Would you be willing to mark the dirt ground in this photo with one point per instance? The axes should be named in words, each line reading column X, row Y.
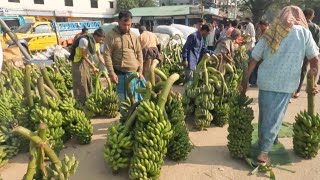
column 209, row 159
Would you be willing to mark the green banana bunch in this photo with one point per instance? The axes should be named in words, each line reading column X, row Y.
column 306, row 138
column 221, row 115
column 94, row 104
column 3, row 156
column 68, row 104
column 118, row 148
column 111, row 104
column 49, row 116
column 67, row 169
column 152, row 135
column 240, row 128
column 6, row 116
column 54, row 103
column 80, row 126
column 180, row 144
column 59, row 83
column 11, row 151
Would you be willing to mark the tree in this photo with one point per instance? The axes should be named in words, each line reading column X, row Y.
column 257, row 7
column 125, row 5
column 129, row 4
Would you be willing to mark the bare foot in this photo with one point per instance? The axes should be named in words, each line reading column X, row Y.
column 296, row 95
column 263, row 159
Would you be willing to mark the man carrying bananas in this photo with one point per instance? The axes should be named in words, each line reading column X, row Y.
column 123, row 56
column 282, row 48
column 193, row 50
column 81, row 55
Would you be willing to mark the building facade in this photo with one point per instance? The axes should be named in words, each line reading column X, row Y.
column 62, row 10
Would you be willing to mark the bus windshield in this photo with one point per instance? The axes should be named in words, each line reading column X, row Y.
column 24, row 28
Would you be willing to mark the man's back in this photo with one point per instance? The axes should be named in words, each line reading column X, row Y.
column 280, row 71
column 148, row 40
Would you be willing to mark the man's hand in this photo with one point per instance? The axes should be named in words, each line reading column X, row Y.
column 114, row 78
column 140, row 76
column 184, row 63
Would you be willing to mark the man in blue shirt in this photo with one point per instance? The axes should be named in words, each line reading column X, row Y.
column 192, row 51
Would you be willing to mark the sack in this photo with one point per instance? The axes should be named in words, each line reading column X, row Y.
column 108, row 27
column 171, row 31
column 185, row 30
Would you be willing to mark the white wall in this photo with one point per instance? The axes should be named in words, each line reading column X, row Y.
column 81, row 8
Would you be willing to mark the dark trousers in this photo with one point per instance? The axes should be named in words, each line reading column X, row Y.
column 303, row 73
column 254, row 75
column 211, row 48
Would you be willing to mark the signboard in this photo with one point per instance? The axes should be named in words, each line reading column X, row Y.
column 61, row 13
column 3, row 11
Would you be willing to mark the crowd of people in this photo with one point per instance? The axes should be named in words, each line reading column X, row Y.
column 279, row 55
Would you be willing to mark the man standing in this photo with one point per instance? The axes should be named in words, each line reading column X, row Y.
column 226, row 45
column 233, row 25
column 192, row 51
column 123, row 56
column 150, row 50
column 84, row 48
column 315, row 31
column 213, row 36
column 282, row 48
column 250, row 31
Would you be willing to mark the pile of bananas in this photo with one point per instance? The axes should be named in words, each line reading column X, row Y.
column 171, row 60
column 221, row 113
column 180, row 145
column 118, row 148
column 67, row 169
column 306, row 138
column 102, row 102
column 64, row 67
column 152, row 135
column 53, row 118
column 80, row 126
column 240, row 128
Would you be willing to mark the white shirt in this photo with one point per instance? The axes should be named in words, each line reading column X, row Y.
column 211, row 37
column 252, row 33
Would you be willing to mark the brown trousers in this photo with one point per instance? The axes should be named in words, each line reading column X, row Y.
column 146, row 69
column 82, row 83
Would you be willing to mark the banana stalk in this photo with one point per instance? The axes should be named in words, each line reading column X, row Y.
column 44, row 100
column 46, row 78
column 162, row 76
column 27, row 85
column 26, row 133
column 50, row 92
column 31, row 167
column 166, row 90
column 310, row 83
column 98, row 85
column 40, row 171
column 109, row 84
column 152, row 73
